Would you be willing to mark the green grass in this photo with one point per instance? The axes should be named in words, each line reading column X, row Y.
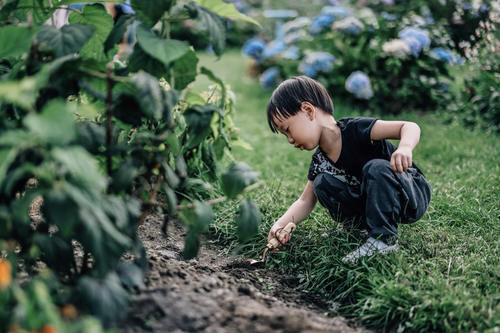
column 446, row 276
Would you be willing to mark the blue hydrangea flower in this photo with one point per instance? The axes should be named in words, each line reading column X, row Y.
column 254, row 48
column 483, row 9
column 291, row 53
column 350, row 25
column 414, row 45
column 420, row 35
column 295, row 36
column 335, row 11
column 446, row 55
column 321, row 23
column 359, row 84
column 269, row 78
column 300, row 23
column 315, row 63
column 389, row 17
column 273, row 48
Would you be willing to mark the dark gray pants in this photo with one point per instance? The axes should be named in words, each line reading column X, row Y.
column 383, row 200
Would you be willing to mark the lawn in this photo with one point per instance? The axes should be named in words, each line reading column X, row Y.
column 446, row 276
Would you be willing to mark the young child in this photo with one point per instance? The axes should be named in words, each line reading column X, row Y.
column 360, row 177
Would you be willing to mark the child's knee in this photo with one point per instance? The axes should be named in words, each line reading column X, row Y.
column 376, row 167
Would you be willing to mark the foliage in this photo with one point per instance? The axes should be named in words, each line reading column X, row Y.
column 405, row 52
column 103, row 140
column 478, row 101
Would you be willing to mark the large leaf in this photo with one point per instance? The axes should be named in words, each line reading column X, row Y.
column 149, row 95
column 164, row 50
column 81, row 167
column 7, row 156
column 150, row 11
column 119, row 29
column 96, row 17
column 225, row 9
column 69, row 39
column 213, row 25
column 248, row 219
column 22, row 93
column 139, row 59
column 104, row 298
column 15, row 41
column 238, row 176
column 185, row 70
column 54, row 125
column 198, row 119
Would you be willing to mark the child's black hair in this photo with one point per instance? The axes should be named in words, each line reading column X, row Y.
column 289, row 95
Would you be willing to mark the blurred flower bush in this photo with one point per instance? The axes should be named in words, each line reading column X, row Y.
column 386, row 55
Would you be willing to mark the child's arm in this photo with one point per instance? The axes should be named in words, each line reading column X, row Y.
column 297, row 212
column 407, row 132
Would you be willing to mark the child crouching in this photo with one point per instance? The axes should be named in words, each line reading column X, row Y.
column 359, row 176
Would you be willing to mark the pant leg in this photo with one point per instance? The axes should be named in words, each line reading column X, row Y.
column 343, row 202
column 392, row 198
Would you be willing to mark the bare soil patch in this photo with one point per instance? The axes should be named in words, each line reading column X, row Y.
column 219, row 293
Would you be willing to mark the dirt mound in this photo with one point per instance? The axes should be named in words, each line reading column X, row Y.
column 217, row 293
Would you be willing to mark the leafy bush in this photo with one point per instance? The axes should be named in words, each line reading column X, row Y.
column 402, row 49
column 478, row 102
column 103, row 141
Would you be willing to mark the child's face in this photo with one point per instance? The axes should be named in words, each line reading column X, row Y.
column 301, row 129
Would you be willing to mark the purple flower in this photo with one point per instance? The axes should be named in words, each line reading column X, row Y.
column 269, row 78
column 358, row 84
column 254, row 48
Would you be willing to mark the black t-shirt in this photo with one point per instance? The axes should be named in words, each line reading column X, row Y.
column 357, row 149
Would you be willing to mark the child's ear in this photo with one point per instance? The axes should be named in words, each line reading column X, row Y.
column 309, row 109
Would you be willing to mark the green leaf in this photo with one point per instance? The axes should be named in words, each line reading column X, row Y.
column 59, row 210
column 248, row 219
column 198, row 220
column 139, row 59
column 164, row 50
column 171, row 200
column 185, row 70
column 81, row 167
column 7, row 156
column 198, row 119
column 191, row 246
column 150, row 11
column 214, row 26
column 54, row 125
column 15, row 41
column 172, row 179
column 22, row 93
column 149, row 95
column 104, row 298
column 238, row 176
column 124, row 176
column 225, row 9
column 96, row 17
column 130, row 274
column 60, row 42
column 91, row 136
column 119, row 29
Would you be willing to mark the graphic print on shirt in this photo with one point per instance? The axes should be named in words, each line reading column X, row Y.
column 321, row 163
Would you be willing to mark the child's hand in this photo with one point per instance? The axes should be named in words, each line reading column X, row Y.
column 401, row 159
column 283, row 237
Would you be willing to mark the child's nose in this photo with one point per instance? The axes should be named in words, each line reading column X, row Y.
column 290, row 140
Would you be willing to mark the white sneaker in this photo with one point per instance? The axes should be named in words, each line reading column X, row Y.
column 369, row 248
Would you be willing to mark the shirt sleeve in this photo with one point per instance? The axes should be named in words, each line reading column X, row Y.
column 363, row 127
